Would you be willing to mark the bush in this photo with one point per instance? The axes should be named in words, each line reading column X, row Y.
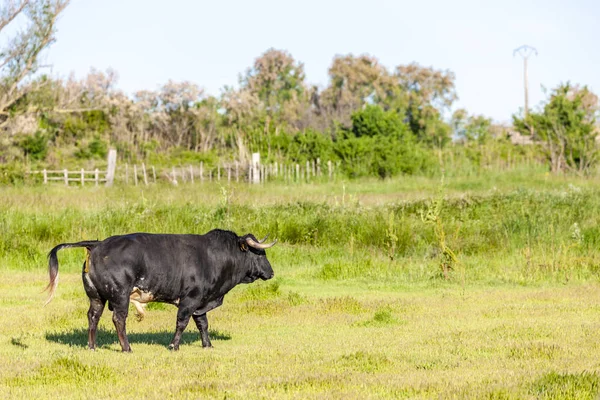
column 379, row 144
column 97, row 148
column 310, row 145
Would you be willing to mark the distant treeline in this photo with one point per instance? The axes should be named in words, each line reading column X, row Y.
column 373, row 121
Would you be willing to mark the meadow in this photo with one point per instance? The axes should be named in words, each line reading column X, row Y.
column 479, row 286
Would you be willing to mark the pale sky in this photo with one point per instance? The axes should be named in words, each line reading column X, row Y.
column 210, row 43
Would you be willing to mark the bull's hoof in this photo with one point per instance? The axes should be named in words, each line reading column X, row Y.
column 126, row 350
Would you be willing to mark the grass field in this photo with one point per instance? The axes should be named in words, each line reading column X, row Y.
column 360, row 307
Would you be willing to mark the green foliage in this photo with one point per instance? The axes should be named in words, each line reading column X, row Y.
column 34, row 146
column 12, row 173
column 567, row 129
column 379, row 144
column 96, row 148
column 433, row 215
column 86, row 123
column 470, row 128
column 181, row 156
column 310, row 145
column 374, row 121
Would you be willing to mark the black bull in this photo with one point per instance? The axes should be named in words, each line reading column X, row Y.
column 193, row 272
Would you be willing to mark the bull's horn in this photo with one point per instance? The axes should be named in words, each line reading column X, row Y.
column 263, row 239
column 259, row 246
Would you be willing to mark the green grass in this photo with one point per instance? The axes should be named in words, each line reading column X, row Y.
column 359, row 307
column 447, row 342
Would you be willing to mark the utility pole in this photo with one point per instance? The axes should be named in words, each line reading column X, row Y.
column 525, row 52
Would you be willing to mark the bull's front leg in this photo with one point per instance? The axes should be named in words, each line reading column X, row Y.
column 202, row 324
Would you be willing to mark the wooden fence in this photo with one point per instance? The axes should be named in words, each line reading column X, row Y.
column 231, row 172
column 79, row 176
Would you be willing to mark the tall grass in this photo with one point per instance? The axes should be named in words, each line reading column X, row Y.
column 520, row 235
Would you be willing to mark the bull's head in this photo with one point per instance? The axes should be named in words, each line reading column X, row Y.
column 256, row 258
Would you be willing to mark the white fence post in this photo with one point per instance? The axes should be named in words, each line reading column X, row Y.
column 145, row 176
column 112, row 166
column 255, row 168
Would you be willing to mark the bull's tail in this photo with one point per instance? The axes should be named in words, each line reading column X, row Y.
column 53, row 264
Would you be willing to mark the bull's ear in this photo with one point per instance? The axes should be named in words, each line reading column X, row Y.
column 243, row 245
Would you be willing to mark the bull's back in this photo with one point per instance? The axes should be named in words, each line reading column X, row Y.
column 154, row 262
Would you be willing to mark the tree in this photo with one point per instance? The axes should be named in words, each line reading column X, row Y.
column 471, row 128
column 566, row 128
column 354, row 81
column 277, row 81
column 378, row 143
column 170, row 114
column 19, row 57
column 429, row 92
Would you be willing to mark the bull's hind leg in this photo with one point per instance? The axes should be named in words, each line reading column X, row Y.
column 202, row 324
column 120, row 312
column 183, row 318
column 94, row 314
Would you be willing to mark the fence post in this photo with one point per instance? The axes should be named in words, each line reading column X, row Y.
column 174, row 175
column 237, row 172
column 82, row 177
column 145, row 176
column 135, row 174
column 255, row 167
column 45, row 177
column 96, row 176
column 228, row 173
column 307, row 170
column 112, row 166
column 201, row 171
column 66, row 174
column 219, row 172
column 297, row 172
column 154, row 174
column 192, row 174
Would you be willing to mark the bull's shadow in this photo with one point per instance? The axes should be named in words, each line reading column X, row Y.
column 79, row 337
